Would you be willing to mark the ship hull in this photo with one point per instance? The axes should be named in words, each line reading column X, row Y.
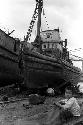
column 41, row 71
column 9, row 70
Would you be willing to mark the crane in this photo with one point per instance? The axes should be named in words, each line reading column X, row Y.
column 37, row 13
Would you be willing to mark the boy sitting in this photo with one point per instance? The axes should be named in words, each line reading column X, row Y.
column 70, row 107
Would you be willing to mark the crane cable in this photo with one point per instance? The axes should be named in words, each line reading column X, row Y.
column 76, row 56
column 79, row 49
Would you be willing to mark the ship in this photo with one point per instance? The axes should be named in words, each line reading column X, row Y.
column 9, row 59
column 46, row 61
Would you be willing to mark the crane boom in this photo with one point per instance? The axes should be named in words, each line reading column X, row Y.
column 32, row 23
column 38, row 4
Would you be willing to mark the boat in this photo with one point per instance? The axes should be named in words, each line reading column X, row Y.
column 46, row 61
column 9, row 54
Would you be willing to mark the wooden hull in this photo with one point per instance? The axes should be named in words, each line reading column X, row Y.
column 9, row 70
column 41, row 70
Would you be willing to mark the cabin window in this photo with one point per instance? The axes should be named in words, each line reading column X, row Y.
column 54, row 45
column 48, row 36
column 44, row 46
column 50, row 45
column 59, row 47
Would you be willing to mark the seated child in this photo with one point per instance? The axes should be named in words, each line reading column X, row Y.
column 70, row 107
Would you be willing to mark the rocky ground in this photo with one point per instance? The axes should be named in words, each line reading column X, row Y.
column 14, row 113
column 17, row 112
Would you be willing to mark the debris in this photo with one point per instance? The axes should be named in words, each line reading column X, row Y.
column 35, row 99
column 50, row 91
column 27, row 106
column 5, row 98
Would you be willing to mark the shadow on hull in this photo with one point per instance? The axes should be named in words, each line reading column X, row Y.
column 9, row 70
column 43, row 71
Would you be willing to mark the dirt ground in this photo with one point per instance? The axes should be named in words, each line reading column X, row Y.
column 14, row 113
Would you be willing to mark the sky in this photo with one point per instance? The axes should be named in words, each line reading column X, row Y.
column 65, row 14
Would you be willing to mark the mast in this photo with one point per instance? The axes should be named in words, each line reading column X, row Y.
column 40, row 5
column 39, row 16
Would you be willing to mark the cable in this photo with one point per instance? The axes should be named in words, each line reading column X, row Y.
column 76, row 56
column 79, row 49
column 75, row 51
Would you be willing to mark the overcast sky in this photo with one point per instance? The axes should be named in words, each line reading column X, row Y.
column 65, row 14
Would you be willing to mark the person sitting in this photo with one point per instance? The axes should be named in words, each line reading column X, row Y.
column 70, row 107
